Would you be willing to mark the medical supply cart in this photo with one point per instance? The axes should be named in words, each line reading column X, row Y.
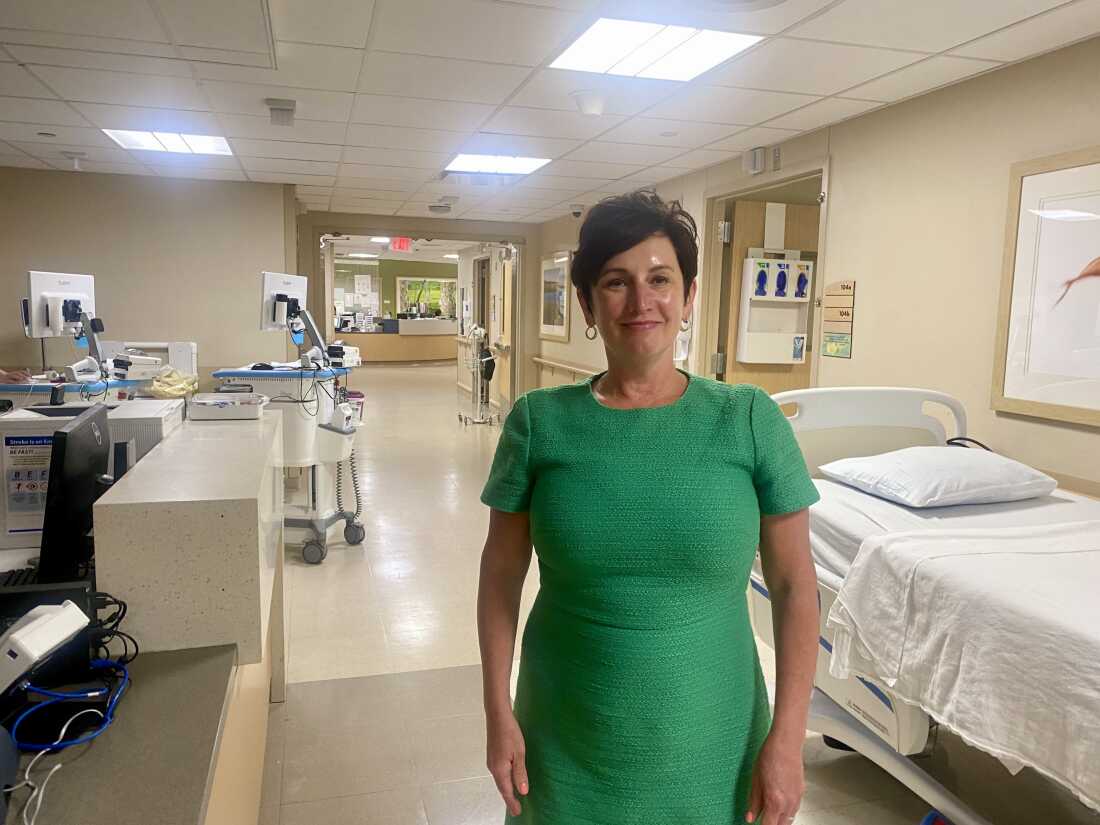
column 318, row 435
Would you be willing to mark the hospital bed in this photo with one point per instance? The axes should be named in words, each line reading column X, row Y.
column 833, row 423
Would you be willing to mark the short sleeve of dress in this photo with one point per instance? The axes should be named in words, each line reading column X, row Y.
column 783, row 483
column 509, row 484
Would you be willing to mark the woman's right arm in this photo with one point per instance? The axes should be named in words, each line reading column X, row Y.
column 504, row 564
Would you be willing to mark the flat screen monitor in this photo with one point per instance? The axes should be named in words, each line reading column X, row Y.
column 78, row 461
column 275, row 284
column 55, row 302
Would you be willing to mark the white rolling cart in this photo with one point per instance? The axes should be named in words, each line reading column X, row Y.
column 319, row 424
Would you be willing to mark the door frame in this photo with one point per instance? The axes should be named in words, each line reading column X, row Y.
column 714, row 257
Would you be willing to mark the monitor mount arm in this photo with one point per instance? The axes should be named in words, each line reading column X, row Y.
column 298, row 319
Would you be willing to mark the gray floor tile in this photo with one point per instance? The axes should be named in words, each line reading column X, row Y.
column 402, row 806
column 433, row 694
column 467, row 802
column 342, row 704
column 449, row 749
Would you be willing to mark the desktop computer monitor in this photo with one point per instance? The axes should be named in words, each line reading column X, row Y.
column 78, row 464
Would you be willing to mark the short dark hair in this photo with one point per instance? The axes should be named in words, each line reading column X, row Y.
column 619, row 223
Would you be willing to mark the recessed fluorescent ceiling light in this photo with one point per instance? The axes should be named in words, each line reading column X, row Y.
column 452, row 256
column 170, row 142
column 496, row 164
column 634, row 49
column 1065, row 214
column 379, row 239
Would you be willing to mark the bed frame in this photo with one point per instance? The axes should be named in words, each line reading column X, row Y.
column 843, row 422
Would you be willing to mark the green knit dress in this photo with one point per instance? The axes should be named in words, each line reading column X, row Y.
column 640, row 695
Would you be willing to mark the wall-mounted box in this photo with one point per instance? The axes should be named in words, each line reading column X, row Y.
column 775, row 308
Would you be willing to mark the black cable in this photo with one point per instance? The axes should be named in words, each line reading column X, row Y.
column 963, row 441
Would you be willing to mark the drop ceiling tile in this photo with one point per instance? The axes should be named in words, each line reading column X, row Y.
column 928, row 26
column 397, row 157
column 103, row 167
column 751, row 138
column 418, row 210
column 392, row 191
column 808, row 67
column 63, row 135
column 97, row 86
column 182, row 161
column 722, row 104
column 325, row 22
column 301, row 65
column 291, row 177
column 117, row 45
column 586, row 169
column 350, row 183
column 23, row 162
column 199, row 56
column 399, row 137
column 239, row 25
column 52, row 151
column 764, row 21
column 246, row 99
column 303, row 131
column 699, row 159
column 109, row 116
column 134, row 64
column 631, row 184
column 653, row 131
column 199, row 174
column 104, row 18
column 438, row 78
column 923, row 77
column 301, row 167
column 373, row 207
column 313, row 191
column 16, row 81
column 568, row 186
column 550, row 123
column 288, row 149
column 490, row 143
column 370, row 170
column 365, row 211
column 555, row 88
column 496, row 32
column 30, row 110
column 607, row 152
column 1052, row 30
column 823, row 112
column 418, row 113
column 463, row 186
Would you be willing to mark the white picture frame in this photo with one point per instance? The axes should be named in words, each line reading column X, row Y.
column 1047, row 361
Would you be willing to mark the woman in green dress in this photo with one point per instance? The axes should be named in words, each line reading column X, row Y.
column 645, row 493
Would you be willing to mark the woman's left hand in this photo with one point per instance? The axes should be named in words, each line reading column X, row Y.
column 777, row 783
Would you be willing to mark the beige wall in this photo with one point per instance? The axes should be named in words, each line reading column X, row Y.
column 560, row 236
column 916, row 214
column 175, row 260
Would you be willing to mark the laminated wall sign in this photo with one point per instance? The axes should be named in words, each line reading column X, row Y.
column 839, row 309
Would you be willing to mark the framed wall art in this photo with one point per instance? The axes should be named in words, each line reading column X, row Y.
column 554, row 308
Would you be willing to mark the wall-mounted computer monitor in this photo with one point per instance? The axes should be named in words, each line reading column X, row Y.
column 273, row 310
column 55, row 302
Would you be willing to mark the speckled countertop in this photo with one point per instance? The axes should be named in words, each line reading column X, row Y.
column 154, row 765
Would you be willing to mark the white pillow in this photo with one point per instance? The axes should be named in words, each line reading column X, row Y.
column 941, row 476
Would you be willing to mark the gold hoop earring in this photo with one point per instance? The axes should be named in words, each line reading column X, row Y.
column 592, row 337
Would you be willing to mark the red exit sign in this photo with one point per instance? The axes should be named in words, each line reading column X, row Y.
column 401, row 244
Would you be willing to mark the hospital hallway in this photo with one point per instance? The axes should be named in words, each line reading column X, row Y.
column 383, row 722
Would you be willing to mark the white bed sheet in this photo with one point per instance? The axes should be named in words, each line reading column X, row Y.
column 845, row 517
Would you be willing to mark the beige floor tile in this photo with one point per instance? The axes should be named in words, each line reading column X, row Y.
column 468, row 802
column 436, row 694
column 401, row 806
column 340, row 654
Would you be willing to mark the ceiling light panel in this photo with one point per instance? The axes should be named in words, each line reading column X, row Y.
column 634, row 49
column 496, row 164
column 169, row 142
column 135, row 140
column 172, row 142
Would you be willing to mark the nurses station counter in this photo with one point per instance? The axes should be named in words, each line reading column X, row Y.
column 192, row 539
column 415, row 339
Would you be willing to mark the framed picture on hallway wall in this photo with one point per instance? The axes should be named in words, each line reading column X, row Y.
column 554, row 309
column 1047, row 362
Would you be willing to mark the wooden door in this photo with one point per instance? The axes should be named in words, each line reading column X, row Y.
column 801, row 227
column 502, row 378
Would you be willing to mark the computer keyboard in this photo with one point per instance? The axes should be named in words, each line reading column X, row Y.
column 18, row 578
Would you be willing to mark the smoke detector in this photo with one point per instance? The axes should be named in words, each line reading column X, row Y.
column 282, row 110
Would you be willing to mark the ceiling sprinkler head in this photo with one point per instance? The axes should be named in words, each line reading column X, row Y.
column 75, row 157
